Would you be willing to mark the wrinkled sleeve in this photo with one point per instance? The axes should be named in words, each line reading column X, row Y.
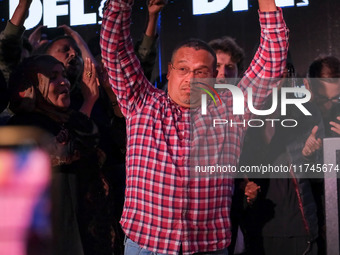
column 125, row 73
column 269, row 61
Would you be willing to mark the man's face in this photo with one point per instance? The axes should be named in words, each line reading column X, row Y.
column 69, row 54
column 326, row 95
column 226, row 68
column 187, row 63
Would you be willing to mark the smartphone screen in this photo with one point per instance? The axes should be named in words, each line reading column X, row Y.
column 25, row 173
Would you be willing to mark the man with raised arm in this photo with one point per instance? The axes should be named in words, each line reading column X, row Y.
column 11, row 39
column 167, row 211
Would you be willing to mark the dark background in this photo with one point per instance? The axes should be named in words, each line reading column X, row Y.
column 314, row 29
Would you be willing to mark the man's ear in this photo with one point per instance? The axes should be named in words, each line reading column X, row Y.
column 169, row 70
column 307, row 84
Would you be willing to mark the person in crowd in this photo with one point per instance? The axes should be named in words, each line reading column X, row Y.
column 237, row 245
column 165, row 210
column 324, row 83
column 40, row 97
column 67, row 50
column 283, row 218
column 230, row 57
column 71, row 49
column 115, row 132
column 146, row 47
column 12, row 49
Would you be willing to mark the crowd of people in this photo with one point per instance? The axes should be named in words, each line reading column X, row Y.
column 122, row 150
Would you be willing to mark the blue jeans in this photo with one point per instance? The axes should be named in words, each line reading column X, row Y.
column 131, row 248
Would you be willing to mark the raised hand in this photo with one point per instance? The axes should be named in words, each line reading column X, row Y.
column 21, row 12
column 335, row 126
column 267, row 5
column 155, row 6
column 69, row 31
column 89, row 87
column 35, row 38
column 312, row 143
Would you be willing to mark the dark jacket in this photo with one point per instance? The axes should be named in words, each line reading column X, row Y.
column 10, row 48
column 288, row 142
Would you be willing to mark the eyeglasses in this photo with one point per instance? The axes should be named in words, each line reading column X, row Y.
column 183, row 71
column 324, row 100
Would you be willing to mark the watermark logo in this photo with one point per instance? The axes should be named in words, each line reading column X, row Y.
column 239, row 100
column 204, row 96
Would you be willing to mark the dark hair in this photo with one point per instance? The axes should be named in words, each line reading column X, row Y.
column 325, row 67
column 228, row 45
column 46, row 47
column 196, row 44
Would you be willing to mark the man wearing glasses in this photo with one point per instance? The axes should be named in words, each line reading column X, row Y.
column 324, row 84
column 166, row 211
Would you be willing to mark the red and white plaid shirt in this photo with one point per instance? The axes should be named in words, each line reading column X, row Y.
column 164, row 207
